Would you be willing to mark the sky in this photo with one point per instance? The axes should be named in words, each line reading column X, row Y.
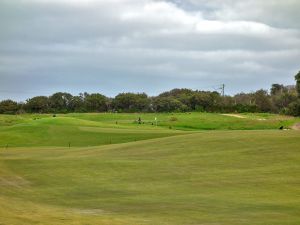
column 114, row 46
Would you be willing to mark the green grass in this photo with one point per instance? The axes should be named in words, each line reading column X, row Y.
column 106, row 128
column 61, row 131
column 196, row 121
column 219, row 177
column 193, row 168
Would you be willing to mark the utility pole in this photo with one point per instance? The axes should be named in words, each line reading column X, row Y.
column 223, row 90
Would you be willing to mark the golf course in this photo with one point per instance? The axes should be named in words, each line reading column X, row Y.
column 149, row 112
column 149, row 169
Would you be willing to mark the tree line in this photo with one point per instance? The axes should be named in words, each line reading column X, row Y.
column 280, row 99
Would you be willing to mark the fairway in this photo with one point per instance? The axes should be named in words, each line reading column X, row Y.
column 164, row 176
column 95, row 129
column 37, row 130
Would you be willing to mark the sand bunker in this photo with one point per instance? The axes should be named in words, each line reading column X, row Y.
column 235, row 115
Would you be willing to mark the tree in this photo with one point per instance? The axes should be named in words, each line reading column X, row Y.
column 183, row 95
column 226, row 104
column 39, row 104
column 244, row 102
column 95, row 103
column 60, row 102
column 130, row 102
column 294, row 108
column 168, row 104
column 77, row 104
column 297, row 78
column 205, row 101
column 276, row 88
column 282, row 99
column 8, row 107
column 177, row 92
column 282, row 96
column 262, row 101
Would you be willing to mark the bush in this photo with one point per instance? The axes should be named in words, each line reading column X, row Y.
column 8, row 107
column 294, row 108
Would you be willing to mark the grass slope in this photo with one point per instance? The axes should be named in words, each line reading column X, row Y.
column 219, row 177
column 61, row 131
column 196, row 121
column 106, row 128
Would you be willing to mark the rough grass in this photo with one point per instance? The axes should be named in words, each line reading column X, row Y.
column 212, row 177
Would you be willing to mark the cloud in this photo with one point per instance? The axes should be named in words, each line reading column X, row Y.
column 146, row 45
column 276, row 13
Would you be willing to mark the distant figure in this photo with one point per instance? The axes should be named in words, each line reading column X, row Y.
column 281, row 128
column 140, row 120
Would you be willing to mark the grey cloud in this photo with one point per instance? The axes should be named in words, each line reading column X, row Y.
column 277, row 13
column 144, row 45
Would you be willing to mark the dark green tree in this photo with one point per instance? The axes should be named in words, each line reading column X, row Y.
column 8, row 107
column 77, row 104
column 297, row 78
column 294, row 108
column 276, row 88
column 262, row 101
column 60, row 102
column 183, row 95
column 168, row 104
column 131, row 102
column 282, row 98
column 38, row 104
column 205, row 101
column 95, row 103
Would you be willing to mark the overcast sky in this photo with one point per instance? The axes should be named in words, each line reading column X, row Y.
column 113, row 46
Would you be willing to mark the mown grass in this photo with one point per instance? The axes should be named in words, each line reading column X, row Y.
column 62, row 131
column 110, row 128
column 192, row 168
column 197, row 121
column 217, row 177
